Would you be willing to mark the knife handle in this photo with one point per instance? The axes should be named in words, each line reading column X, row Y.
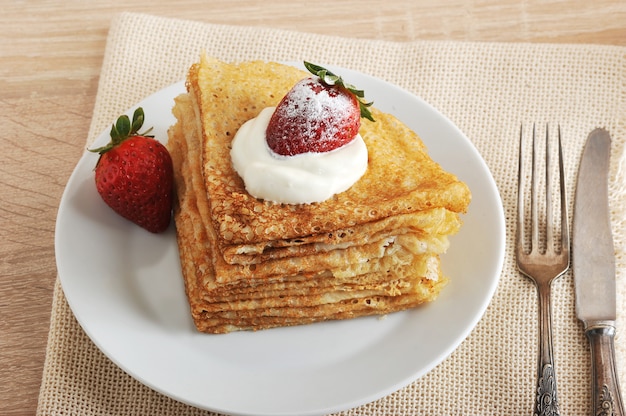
column 607, row 399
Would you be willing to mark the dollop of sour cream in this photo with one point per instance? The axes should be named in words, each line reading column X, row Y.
column 300, row 179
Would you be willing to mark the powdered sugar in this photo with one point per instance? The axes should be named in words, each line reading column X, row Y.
column 314, row 117
column 309, row 99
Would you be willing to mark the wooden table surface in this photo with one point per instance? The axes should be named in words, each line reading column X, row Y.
column 51, row 53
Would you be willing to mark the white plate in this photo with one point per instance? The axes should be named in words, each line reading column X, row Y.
column 124, row 286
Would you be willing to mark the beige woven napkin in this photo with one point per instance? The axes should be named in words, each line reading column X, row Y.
column 487, row 90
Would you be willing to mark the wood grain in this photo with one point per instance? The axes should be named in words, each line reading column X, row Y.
column 51, row 53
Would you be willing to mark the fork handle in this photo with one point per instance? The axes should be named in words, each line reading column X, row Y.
column 607, row 399
column 546, row 403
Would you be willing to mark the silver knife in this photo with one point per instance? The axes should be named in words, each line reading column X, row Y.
column 593, row 263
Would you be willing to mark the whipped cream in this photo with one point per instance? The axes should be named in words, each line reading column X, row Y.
column 300, row 179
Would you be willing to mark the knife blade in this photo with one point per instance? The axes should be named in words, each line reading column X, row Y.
column 593, row 262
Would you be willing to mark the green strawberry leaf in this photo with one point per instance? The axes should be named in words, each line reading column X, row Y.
column 138, row 119
column 329, row 78
column 122, row 129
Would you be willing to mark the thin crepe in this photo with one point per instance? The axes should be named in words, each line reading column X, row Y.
column 240, row 274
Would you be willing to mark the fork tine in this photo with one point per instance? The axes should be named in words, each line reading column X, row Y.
column 534, row 241
column 564, row 216
column 520, row 193
column 549, row 214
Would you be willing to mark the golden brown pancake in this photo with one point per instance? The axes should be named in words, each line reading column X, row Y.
column 252, row 264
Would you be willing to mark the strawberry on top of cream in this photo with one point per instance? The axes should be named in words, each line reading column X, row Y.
column 299, row 179
column 308, row 147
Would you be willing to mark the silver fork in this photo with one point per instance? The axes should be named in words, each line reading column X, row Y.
column 543, row 266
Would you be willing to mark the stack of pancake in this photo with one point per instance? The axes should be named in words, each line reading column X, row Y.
column 251, row 264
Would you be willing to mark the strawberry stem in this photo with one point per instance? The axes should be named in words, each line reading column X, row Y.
column 122, row 129
column 329, row 78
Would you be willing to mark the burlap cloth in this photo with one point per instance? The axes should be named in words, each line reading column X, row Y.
column 487, row 90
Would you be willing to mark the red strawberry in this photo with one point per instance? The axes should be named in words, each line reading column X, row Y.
column 318, row 114
column 134, row 175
